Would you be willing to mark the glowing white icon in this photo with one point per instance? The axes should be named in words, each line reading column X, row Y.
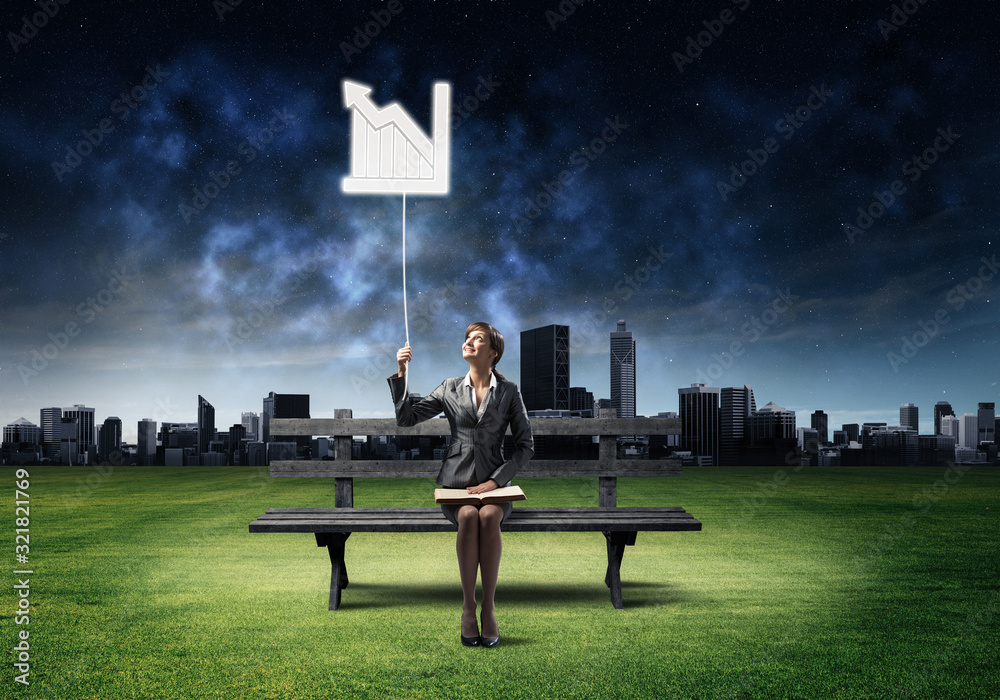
column 390, row 153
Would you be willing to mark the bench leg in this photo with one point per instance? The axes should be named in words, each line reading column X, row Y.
column 334, row 542
column 616, row 549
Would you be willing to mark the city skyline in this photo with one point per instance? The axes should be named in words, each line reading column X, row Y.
column 813, row 216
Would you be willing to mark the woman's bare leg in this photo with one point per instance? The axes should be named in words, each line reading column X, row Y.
column 467, row 548
column 490, row 549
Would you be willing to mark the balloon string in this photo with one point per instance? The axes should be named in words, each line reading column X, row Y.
column 406, row 319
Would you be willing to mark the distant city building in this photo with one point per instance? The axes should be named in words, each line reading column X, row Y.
column 894, row 446
column 623, row 372
column 909, row 415
column 23, row 431
column 840, row 437
column 808, row 440
column 941, row 408
column 109, row 442
column 986, row 420
column 736, row 404
column 51, row 425
column 69, row 442
column 86, row 436
column 237, row 439
column 819, row 422
column 580, row 399
column 698, row 406
column 251, row 424
column 284, row 406
column 545, row 368
column 852, row 431
column 949, row 425
column 206, row 424
column 770, row 422
column 146, row 443
column 968, row 431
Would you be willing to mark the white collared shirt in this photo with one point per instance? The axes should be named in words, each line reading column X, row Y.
column 472, row 391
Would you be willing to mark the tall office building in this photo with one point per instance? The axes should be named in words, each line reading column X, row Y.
column 820, row 423
column 909, row 415
column 22, row 430
column 852, row 431
column 950, row 425
column 206, row 424
column 735, row 406
column 580, row 399
column 986, row 418
column 251, row 424
column 623, row 373
column 51, row 423
column 545, row 368
column 86, row 427
column 698, row 406
column 109, row 439
column 968, row 431
column 145, row 455
column 941, row 408
column 285, row 406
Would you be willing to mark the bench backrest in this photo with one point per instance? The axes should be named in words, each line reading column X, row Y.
column 343, row 427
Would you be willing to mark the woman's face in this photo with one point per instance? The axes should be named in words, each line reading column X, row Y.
column 477, row 347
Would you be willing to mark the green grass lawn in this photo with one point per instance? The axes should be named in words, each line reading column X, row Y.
column 825, row 583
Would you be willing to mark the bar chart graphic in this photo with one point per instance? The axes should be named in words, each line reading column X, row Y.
column 390, row 153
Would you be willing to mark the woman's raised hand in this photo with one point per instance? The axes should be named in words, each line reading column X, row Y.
column 403, row 356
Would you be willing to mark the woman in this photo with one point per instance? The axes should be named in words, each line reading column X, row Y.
column 479, row 407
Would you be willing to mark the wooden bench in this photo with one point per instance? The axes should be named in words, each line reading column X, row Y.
column 332, row 526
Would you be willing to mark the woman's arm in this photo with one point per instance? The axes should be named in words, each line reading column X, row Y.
column 408, row 413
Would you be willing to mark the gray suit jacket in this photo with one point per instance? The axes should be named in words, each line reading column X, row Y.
column 475, row 454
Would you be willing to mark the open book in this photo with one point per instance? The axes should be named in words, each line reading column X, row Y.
column 462, row 497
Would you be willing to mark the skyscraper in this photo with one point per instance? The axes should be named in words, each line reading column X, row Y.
column 735, row 406
column 987, row 422
column 968, row 431
column 146, row 443
column 623, row 374
column 251, row 424
column 110, row 438
column 86, row 429
column 941, row 408
column 772, row 422
column 51, row 425
column 909, row 416
column 285, row 406
column 580, row 399
column 819, row 422
column 545, row 368
column 698, row 406
column 206, row 424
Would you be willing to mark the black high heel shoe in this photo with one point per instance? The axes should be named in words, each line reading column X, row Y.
column 470, row 641
column 487, row 642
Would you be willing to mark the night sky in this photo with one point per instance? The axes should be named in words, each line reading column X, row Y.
column 693, row 168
